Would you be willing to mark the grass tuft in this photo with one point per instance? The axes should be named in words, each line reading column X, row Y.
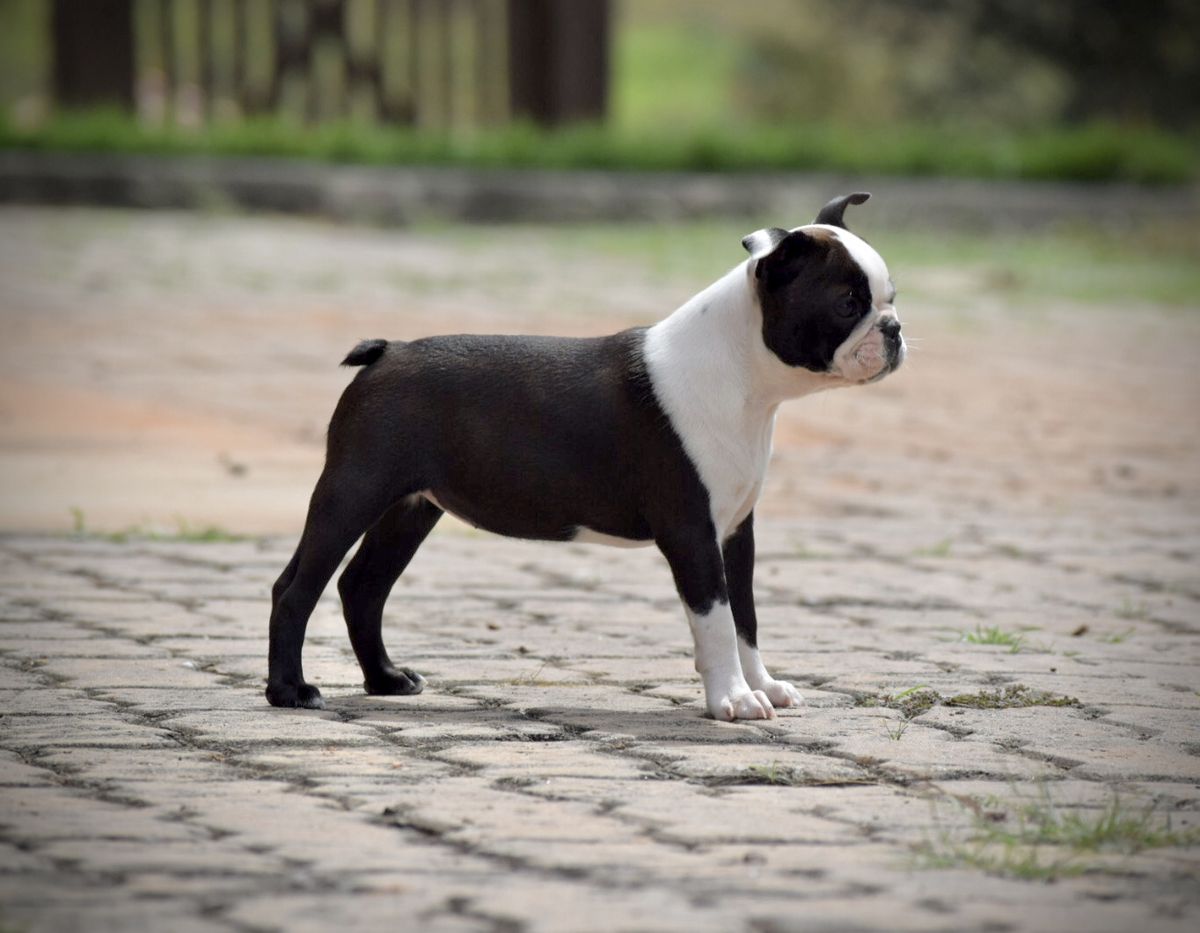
column 1042, row 841
column 994, row 635
column 1116, row 828
column 895, row 731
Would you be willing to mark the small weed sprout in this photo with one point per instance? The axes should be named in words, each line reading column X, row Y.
column 183, row 531
column 531, row 679
column 911, row 703
column 1132, row 611
column 896, row 730
column 941, row 549
column 994, row 635
column 774, row 773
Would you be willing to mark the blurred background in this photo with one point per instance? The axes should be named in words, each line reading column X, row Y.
column 205, row 203
column 1003, row 88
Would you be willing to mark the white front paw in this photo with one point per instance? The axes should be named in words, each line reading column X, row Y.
column 752, row 704
column 781, row 693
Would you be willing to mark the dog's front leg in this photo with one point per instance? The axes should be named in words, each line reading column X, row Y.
column 738, row 553
column 699, row 572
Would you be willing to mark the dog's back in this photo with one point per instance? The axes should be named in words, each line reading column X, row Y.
column 525, row 436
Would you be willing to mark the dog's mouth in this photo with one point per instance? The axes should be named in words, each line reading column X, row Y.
column 894, row 353
column 875, row 356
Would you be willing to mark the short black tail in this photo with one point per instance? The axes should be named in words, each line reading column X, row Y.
column 365, row 353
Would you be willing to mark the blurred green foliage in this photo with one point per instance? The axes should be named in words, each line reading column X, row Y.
column 860, row 86
column 1092, row 153
column 980, row 63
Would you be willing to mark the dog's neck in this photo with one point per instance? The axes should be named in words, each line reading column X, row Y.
column 713, row 343
column 720, row 387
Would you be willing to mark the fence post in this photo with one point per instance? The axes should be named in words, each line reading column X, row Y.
column 93, row 53
column 558, row 54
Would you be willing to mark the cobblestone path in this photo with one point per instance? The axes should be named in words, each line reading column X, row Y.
column 558, row 774
column 984, row 574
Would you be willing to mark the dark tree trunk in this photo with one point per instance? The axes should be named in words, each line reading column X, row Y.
column 558, row 60
column 93, row 53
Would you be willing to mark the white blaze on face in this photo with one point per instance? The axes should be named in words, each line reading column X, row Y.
column 863, row 355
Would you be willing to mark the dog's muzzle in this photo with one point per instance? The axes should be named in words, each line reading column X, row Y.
column 893, row 343
column 892, row 350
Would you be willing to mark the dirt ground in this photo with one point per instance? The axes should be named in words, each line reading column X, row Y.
column 174, row 370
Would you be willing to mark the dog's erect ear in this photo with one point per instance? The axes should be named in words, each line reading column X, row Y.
column 763, row 242
column 832, row 212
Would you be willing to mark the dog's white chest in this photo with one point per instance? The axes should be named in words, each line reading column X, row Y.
column 733, row 466
column 702, row 363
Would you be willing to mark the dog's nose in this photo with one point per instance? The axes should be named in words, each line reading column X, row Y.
column 890, row 327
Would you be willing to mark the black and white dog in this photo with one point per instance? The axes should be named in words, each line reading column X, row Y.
column 656, row 435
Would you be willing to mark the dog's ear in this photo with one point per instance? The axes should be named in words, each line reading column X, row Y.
column 832, row 213
column 776, row 250
column 762, row 242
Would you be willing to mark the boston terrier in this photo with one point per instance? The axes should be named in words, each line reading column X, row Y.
column 657, row 435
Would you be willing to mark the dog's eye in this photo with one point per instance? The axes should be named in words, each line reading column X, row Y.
column 848, row 306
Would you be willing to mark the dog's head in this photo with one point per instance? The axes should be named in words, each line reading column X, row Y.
column 828, row 302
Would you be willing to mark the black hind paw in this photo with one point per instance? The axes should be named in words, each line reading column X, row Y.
column 395, row 681
column 304, row 696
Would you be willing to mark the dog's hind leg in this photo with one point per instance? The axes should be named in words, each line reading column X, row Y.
column 365, row 584
column 337, row 515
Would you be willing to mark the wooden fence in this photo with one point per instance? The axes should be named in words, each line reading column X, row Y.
column 426, row 63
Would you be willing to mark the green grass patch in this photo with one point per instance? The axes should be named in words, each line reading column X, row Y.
column 1026, row 863
column 781, row 776
column 1043, row 841
column 915, row 701
column 1093, row 153
column 1014, row 696
column 1116, row 828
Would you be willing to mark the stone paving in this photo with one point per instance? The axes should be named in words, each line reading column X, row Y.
column 983, row 574
column 558, row 773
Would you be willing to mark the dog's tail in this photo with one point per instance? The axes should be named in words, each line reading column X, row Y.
column 366, row 353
